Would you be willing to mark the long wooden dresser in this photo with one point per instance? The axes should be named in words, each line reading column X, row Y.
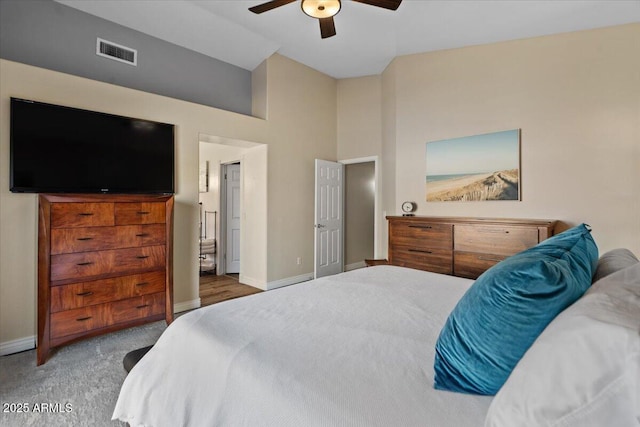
column 104, row 263
column 464, row 247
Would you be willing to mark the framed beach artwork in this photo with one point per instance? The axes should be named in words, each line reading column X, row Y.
column 474, row 168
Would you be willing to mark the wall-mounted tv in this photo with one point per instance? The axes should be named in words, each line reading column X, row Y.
column 57, row 149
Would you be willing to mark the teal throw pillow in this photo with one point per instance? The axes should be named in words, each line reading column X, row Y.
column 507, row 307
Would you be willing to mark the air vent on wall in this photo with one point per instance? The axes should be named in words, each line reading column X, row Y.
column 116, row 52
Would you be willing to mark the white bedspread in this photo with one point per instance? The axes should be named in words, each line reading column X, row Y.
column 354, row 349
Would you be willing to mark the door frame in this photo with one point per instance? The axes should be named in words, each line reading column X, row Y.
column 222, row 237
column 377, row 252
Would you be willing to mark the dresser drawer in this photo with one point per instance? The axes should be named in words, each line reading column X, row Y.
column 81, row 214
column 76, row 295
column 79, row 320
column 472, row 264
column 421, row 234
column 140, row 213
column 138, row 308
column 435, row 260
column 494, row 239
column 69, row 240
column 88, row 264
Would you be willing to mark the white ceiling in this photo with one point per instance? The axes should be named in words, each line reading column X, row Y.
column 368, row 37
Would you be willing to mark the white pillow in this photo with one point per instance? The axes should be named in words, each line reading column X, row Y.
column 612, row 261
column 584, row 369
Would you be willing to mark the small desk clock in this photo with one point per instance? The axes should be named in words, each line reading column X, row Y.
column 409, row 208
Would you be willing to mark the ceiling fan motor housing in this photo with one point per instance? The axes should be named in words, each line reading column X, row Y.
column 321, row 8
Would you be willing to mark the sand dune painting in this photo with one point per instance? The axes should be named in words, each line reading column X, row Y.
column 474, row 168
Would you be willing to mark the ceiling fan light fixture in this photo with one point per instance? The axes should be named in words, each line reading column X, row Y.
column 321, row 8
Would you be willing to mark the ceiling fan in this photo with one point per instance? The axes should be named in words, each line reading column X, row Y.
column 323, row 10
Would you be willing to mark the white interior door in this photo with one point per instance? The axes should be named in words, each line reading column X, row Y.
column 329, row 218
column 232, row 178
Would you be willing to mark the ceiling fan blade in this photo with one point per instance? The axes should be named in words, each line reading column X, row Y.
column 327, row 27
column 265, row 7
column 387, row 4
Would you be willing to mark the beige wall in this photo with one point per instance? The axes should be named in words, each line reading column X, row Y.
column 294, row 136
column 306, row 129
column 254, row 253
column 359, row 132
column 388, row 164
column 359, row 117
column 575, row 96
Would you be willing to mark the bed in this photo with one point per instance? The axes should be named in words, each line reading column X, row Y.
column 358, row 349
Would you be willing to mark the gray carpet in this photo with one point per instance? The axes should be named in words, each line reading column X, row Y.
column 83, row 379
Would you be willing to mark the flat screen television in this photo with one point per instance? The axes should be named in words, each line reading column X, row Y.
column 57, row 149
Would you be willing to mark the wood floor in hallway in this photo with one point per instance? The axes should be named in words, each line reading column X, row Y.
column 215, row 288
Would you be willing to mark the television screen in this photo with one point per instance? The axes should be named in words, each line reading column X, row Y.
column 56, row 149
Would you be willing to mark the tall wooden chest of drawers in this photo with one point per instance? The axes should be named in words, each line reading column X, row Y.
column 464, row 247
column 104, row 263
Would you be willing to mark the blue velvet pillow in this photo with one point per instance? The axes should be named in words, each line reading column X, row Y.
column 508, row 306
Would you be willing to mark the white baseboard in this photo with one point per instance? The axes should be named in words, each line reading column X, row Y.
column 355, row 266
column 260, row 284
column 16, row 346
column 276, row 283
column 186, row 305
column 289, row 281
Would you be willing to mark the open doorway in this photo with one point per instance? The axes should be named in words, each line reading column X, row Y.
column 232, row 214
column 360, row 211
column 212, row 199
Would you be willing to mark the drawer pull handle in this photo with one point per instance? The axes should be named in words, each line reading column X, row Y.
column 142, row 284
column 485, row 258
column 421, row 251
column 143, row 213
column 85, row 238
column 497, row 231
column 85, row 263
column 426, row 227
column 143, row 306
column 142, row 235
column 86, row 214
column 82, row 319
column 85, row 294
column 142, row 256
